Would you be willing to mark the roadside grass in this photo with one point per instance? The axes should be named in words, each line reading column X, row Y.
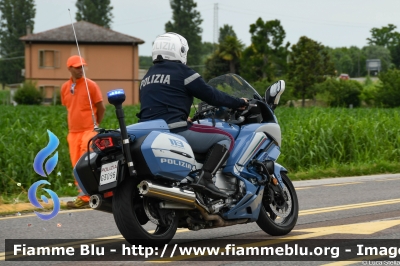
column 346, row 171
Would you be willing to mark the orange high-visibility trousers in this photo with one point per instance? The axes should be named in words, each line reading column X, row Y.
column 77, row 142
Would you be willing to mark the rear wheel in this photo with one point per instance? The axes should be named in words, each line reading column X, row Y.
column 279, row 213
column 139, row 219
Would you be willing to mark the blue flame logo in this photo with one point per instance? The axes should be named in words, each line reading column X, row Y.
column 32, row 198
column 44, row 153
column 49, row 166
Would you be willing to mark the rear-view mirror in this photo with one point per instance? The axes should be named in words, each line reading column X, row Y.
column 274, row 92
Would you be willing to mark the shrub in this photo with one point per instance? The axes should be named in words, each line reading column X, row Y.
column 341, row 93
column 388, row 94
column 4, row 97
column 369, row 93
column 58, row 97
column 28, row 94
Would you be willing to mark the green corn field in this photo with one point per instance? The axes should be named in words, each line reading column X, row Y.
column 339, row 141
column 316, row 143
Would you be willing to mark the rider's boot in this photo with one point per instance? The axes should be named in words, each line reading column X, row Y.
column 216, row 157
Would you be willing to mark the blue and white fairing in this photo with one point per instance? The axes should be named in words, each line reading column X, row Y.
column 252, row 141
column 168, row 155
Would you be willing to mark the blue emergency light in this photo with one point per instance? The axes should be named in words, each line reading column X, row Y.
column 116, row 97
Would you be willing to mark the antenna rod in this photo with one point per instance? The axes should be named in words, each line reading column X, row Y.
column 84, row 74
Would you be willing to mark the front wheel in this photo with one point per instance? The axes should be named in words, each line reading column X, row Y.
column 279, row 213
column 139, row 219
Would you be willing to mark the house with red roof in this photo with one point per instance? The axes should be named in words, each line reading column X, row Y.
column 112, row 58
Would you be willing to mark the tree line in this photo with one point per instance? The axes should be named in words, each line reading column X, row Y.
column 305, row 65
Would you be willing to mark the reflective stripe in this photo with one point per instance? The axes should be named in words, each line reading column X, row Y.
column 177, row 124
column 191, row 78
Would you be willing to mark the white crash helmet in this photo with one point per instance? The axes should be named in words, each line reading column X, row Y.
column 171, row 46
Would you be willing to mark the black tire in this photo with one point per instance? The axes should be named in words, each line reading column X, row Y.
column 269, row 221
column 129, row 215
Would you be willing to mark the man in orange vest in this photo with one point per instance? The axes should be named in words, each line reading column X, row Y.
column 75, row 97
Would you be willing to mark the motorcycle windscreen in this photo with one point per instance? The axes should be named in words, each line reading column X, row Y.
column 168, row 155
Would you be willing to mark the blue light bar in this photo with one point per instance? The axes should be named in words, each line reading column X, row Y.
column 115, row 92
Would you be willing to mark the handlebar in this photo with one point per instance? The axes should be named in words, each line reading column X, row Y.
column 239, row 119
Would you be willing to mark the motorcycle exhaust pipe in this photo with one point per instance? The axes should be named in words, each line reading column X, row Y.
column 188, row 198
column 149, row 189
column 218, row 220
column 98, row 203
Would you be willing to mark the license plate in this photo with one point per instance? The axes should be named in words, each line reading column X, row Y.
column 109, row 173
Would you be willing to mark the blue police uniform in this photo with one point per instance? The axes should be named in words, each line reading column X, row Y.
column 168, row 88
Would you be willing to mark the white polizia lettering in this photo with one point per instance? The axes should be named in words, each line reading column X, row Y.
column 157, row 78
column 164, row 46
column 176, row 162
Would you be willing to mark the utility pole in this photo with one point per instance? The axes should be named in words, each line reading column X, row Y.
column 216, row 30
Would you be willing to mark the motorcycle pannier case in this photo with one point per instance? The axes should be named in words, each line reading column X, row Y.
column 164, row 155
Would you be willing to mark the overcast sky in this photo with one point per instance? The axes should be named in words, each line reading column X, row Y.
column 338, row 23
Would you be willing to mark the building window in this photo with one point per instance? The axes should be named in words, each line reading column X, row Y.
column 51, row 94
column 49, row 59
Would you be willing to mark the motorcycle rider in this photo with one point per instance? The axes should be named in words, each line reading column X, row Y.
column 167, row 91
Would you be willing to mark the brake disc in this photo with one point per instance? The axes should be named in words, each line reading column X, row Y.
column 148, row 211
column 282, row 212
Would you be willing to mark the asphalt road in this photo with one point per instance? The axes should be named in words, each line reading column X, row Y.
column 340, row 208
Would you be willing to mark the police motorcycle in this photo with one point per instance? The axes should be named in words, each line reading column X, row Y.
column 141, row 172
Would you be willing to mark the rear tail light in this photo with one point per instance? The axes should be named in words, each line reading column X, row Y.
column 104, row 142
